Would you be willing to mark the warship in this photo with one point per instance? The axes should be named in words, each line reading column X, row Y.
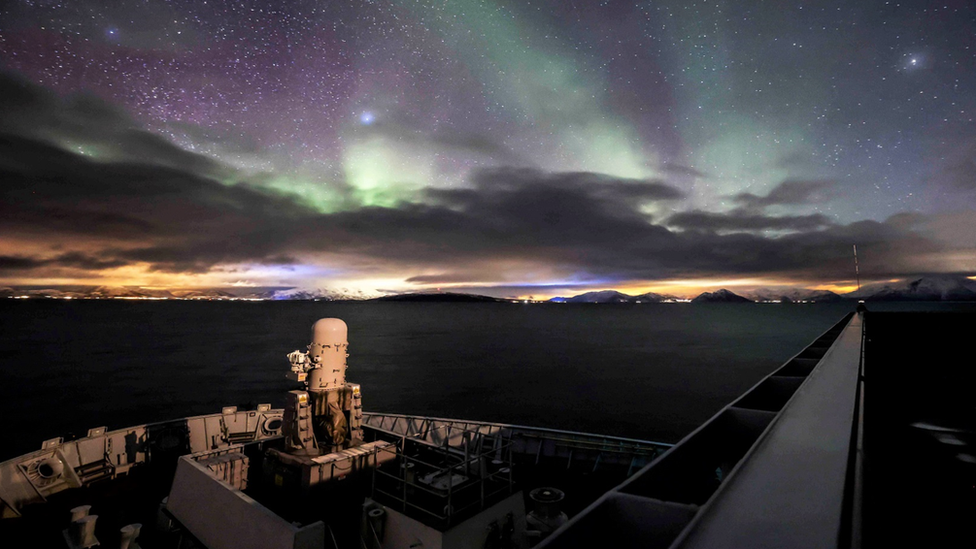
column 805, row 458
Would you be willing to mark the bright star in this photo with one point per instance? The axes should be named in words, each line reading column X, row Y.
column 913, row 61
column 367, row 118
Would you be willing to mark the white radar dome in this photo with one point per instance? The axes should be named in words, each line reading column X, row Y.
column 328, row 353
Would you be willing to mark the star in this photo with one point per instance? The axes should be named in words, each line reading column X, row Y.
column 913, row 61
column 598, row 101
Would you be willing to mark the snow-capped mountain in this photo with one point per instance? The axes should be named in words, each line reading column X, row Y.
column 321, row 294
column 792, row 295
column 612, row 296
column 926, row 288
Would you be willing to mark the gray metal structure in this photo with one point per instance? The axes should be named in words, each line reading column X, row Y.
column 106, row 455
column 799, row 460
column 769, row 470
column 569, row 449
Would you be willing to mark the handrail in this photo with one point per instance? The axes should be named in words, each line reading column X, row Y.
column 510, row 427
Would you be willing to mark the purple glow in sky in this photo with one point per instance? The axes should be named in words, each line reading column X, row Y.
column 485, row 143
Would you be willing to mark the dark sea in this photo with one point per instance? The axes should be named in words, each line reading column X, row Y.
column 648, row 371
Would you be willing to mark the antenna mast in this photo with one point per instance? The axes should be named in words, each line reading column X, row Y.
column 857, row 273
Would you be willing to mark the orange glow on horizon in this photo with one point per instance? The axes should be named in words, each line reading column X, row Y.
column 128, row 276
column 689, row 288
column 836, row 288
column 242, row 276
column 692, row 287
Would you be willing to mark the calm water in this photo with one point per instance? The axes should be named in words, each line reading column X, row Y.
column 643, row 371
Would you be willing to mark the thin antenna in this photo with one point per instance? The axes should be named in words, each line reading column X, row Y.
column 857, row 272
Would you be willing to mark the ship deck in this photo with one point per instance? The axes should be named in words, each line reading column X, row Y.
column 125, row 483
column 867, row 438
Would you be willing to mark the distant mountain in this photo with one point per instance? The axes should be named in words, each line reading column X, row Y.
column 651, row 297
column 720, row 296
column 603, row 296
column 926, row 288
column 923, row 288
column 116, row 292
column 207, row 293
column 793, row 295
column 125, row 291
column 135, row 292
column 319, row 294
column 613, row 296
column 46, row 292
column 441, row 297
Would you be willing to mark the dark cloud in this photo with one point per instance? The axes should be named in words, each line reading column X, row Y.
column 71, row 259
column 78, row 213
column 575, row 229
column 959, row 166
column 443, row 278
column 681, row 170
column 739, row 220
column 789, row 193
column 85, row 122
column 907, row 220
column 84, row 261
column 595, row 184
column 175, row 219
column 18, row 263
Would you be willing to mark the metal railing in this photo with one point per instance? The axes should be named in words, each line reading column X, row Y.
column 489, row 455
column 527, row 443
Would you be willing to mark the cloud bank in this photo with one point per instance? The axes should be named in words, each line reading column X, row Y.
column 140, row 202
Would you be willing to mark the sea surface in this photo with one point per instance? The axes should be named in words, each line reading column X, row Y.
column 648, row 371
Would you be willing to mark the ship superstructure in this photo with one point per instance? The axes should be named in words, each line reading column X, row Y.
column 318, row 473
column 798, row 460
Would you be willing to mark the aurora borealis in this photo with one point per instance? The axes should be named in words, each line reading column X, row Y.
column 507, row 148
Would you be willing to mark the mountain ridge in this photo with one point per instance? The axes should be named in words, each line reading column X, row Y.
column 918, row 288
column 720, row 296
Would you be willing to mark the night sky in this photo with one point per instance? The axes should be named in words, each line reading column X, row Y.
column 502, row 147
